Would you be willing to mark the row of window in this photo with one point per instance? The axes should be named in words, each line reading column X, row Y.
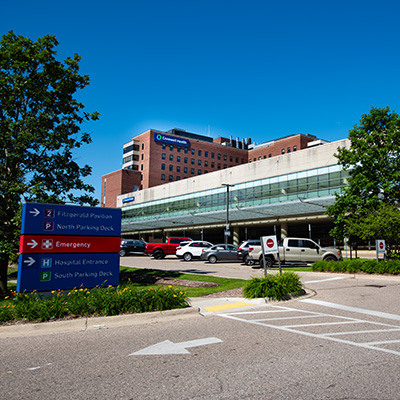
column 288, row 150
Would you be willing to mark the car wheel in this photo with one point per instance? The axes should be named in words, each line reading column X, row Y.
column 158, row 254
column 212, row 259
column 187, row 256
column 330, row 258
column 122, row 253
column 249, row 261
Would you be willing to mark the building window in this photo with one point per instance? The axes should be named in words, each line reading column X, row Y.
column 199, row 162
column 185, row 170
column 225, row 157
column 178, row 168
column 230, row 158
column 141, row 167
column 269, row 155
column 171, row 147
column 163, row 156
column 186, row 150
column 192, row 171
column 163, row 167
column 164, row 146
column 163, row 177
column 219, row 166
column 219, row 156
column 206, row 154
column 283, row 151
column 178, row 178
column 199, row 172
column 192, row 161
column 199, row 153
column 178, row 149
column 142, row 146
column 206, row 163
column 170, row 178
column 259, row 157
column 294, row 148
column 249, row 160
column 193, row 152
column 225, row 166
column 185, row 160
column 178, row 158
column 212, row 165
column 212, row 155
column 288, row 149
column 171, row 157
column 142, row 156
column 171, row 168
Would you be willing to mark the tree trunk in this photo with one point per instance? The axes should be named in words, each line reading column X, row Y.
column 3, row 273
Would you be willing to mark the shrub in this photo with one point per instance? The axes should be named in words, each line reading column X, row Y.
column 85, row 302
column 274, row 287
column 359, row 265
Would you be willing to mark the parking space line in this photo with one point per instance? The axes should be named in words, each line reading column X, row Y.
column 331, row 336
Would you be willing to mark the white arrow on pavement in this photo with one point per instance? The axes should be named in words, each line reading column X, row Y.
column 35, row 212
column 30, row 261
column 33, row 244
column 168, row 347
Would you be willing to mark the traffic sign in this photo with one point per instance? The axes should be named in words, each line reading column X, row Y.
column 270, row 244
column 44, row 272
column 69, row 244
column 58, row 219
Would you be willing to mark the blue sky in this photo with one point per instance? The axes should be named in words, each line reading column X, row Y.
column 257, row 68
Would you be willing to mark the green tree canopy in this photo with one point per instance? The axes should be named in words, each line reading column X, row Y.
column 374, row 166
column 39, row 128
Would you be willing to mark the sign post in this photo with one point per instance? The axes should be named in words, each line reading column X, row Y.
column 65, row 247
column 380, row 248
column 269, row 245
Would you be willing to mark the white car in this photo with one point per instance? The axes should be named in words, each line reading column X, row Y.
column 193, row 249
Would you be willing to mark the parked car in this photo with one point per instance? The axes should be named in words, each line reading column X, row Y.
column 160, row 250
column 129, row 246
column 243, row 250
column 220, row 252
column 189, row 250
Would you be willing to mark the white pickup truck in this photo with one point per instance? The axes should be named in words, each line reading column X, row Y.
column 294, row 250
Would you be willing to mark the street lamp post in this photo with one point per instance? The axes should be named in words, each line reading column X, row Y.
column 227, row 232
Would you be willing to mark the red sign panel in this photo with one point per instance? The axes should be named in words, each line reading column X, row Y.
column 69, row 244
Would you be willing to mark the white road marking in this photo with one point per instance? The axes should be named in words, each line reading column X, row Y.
column 352, row 309
column 168, row 347
column 332, row 336
column 325, row 280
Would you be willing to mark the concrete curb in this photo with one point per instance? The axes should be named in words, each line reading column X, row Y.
column 87, row 324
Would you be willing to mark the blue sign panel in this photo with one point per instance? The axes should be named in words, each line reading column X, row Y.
column 162, row 138
column 57, row 219
column 46, row 272
column 128, row 199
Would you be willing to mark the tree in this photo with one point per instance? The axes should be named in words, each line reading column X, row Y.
column 39, row 129
column 373, row 164
column 382, row 223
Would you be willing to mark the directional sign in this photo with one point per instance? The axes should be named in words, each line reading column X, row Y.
column 65, row 246
column 44, row 272
column 69, row 244
column 168, row 347
column 57, row 219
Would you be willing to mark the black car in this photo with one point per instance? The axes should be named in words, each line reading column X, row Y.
column 243, row 250
column 129, row 246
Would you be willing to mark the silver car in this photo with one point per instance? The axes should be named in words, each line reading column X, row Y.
column 220, row 252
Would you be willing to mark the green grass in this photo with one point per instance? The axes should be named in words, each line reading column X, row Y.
column 135, row 275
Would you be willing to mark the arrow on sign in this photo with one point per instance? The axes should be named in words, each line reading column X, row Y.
column 33, row 244
column 168, row 347
column 30, row 261
column 35, row 212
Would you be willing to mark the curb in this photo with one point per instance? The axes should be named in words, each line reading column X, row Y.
column 87, row 324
